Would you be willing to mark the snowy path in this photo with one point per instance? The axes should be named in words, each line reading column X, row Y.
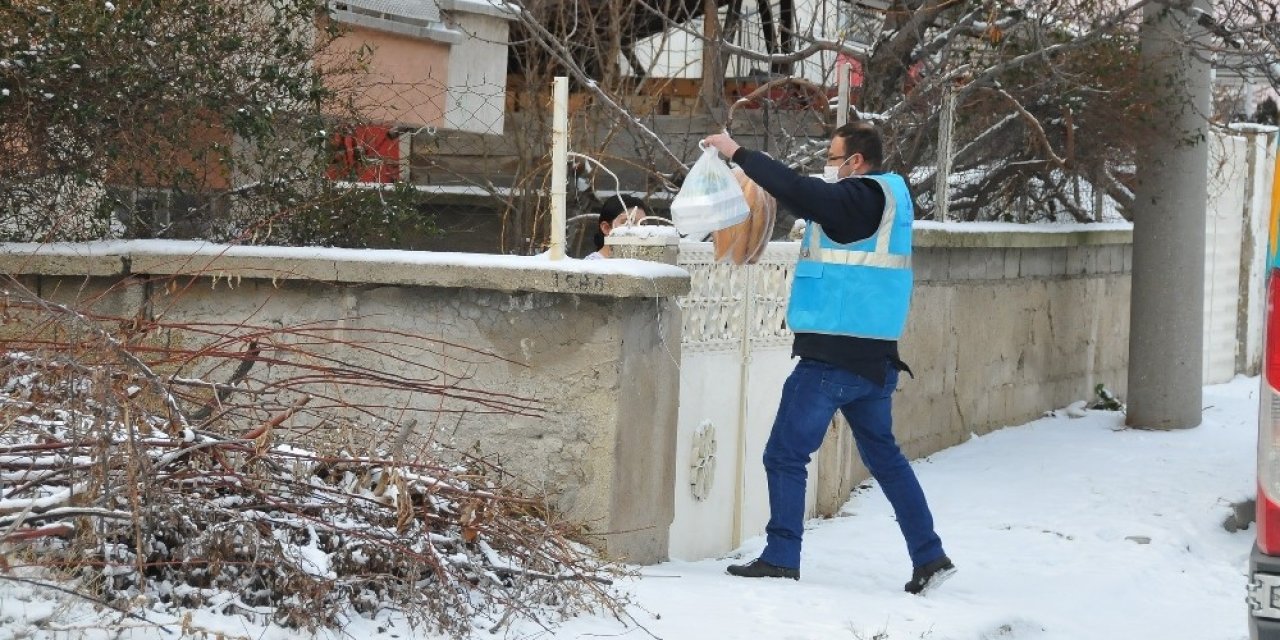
column 1036, row 518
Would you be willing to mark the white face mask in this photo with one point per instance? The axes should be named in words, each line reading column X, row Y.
column 831, row 173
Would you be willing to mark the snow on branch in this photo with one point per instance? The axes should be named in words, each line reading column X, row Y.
column 293, row 509
column 1034, row 125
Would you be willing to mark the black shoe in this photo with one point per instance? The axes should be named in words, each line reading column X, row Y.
column 930, row 575
column 760, row 569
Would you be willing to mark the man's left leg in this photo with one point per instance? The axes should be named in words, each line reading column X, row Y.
column 871, row 419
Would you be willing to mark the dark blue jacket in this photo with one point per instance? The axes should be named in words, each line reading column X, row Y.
column 848, row 210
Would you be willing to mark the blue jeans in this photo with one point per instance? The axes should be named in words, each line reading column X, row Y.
column 810, row 398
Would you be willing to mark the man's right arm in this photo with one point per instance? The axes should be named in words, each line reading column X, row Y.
column 848, row 210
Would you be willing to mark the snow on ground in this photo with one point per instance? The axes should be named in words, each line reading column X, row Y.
column 1065, row 528
column 1037, row 519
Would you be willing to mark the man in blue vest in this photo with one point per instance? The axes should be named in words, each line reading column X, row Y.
column 848, row 307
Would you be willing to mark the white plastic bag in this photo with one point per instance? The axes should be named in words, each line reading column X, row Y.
column 710, row 198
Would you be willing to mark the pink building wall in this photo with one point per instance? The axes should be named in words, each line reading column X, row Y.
column 406, row 81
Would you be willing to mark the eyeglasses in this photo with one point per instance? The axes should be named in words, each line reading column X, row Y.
column 839, row 159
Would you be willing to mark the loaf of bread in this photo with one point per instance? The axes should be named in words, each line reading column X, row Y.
column 744, row 243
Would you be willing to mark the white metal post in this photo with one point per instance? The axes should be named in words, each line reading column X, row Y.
column 842, row 93
column 559, row 162
column 744, row 414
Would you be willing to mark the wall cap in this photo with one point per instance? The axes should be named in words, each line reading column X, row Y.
column 1009, row 235
column 611, row 278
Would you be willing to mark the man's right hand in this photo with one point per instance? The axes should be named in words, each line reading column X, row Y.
column 723, row 143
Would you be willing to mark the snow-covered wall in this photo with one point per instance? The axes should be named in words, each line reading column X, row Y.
column 591, row 348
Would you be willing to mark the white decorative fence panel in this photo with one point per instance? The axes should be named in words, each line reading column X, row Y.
column 735, row 354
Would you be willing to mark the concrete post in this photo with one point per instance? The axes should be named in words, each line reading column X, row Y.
column 942, row 182
column 656, row 247
column 1167, row 299
column 713, row 63
column 842, row 93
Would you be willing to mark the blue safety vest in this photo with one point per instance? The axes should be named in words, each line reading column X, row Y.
column 860, row 289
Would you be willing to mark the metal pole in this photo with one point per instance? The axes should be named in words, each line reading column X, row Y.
column 1166, row 309
column 559, row 162
column 842, row 93
column 744, row 413
column 941, row 192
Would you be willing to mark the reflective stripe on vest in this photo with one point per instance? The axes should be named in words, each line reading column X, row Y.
column 863, row 258
column 881, row 257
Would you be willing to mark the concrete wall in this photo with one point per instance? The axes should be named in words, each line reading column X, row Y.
column 1241, row 169
column 589, row 351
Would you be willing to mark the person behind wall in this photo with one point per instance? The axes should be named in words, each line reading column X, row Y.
column 617, row 210
column 849, row 299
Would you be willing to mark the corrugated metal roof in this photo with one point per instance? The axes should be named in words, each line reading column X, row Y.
column 416, row 12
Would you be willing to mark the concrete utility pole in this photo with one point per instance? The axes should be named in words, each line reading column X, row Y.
column 1166, row 333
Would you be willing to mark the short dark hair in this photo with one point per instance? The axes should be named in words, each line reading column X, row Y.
column 613, row 207
column 860, row 136
column 619, row 204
